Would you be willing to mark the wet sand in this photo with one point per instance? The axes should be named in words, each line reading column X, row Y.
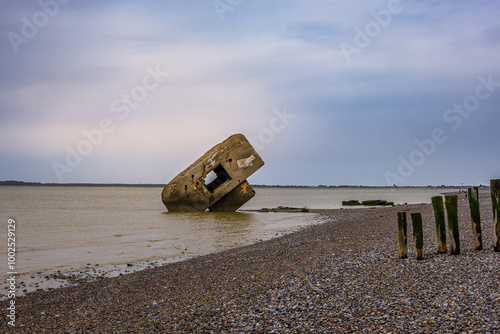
column 343, row 275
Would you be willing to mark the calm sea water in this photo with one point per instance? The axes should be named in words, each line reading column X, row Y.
column 331, row 198
column 74, row 228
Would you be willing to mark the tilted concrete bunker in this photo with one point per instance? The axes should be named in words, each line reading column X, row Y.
column 217, row 180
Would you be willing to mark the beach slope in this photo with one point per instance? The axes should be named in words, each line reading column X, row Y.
column 342, row 275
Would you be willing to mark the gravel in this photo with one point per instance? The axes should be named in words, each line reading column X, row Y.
column 342, row 275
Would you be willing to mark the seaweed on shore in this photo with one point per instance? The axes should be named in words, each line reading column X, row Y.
column 351, row 202
column 376, row 202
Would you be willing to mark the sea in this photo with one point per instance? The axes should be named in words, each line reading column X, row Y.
column 114, row 230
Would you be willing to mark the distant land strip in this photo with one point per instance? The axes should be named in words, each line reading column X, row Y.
column 161, row 185
column 40, row 184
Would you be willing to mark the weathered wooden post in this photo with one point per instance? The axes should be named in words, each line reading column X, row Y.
column 495, row 202
column 475, row 217
column 418, row 234
column 437, row 204
column 402, row 227
column 451, row 203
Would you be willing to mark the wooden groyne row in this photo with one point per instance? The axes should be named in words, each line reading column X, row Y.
column 451, row 205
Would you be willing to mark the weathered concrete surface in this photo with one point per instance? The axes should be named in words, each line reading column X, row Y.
column 234, row 199
column 227, row 166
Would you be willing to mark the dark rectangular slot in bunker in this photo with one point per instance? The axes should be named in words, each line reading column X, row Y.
column 220, row 175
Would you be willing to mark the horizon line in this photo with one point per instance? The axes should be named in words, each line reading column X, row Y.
column 121, row 184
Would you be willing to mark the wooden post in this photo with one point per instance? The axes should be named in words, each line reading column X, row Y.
column 418, row 234
column 402, row 228
column 475, row 217
column 495, row 202
column 451, row 203
column 437, row 204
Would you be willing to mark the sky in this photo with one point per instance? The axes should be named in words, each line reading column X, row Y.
column 328, row 92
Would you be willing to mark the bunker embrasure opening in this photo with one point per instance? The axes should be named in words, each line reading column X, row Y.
column 216, row 178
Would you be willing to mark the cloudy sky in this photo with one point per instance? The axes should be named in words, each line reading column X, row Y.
column 328, row 92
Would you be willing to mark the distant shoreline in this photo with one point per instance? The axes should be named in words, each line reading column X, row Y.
column 161, row 185
column 40, row 184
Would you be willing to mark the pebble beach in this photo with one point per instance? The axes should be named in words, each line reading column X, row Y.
column 342, row 275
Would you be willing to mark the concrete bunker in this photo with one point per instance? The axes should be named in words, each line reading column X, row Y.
column 216, row 181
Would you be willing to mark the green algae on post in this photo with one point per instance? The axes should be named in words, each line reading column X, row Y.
column 418, row 234
column 402, row 228
column 475, row 216
column 451, row 203
column 437, row 204
column 495, row 202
